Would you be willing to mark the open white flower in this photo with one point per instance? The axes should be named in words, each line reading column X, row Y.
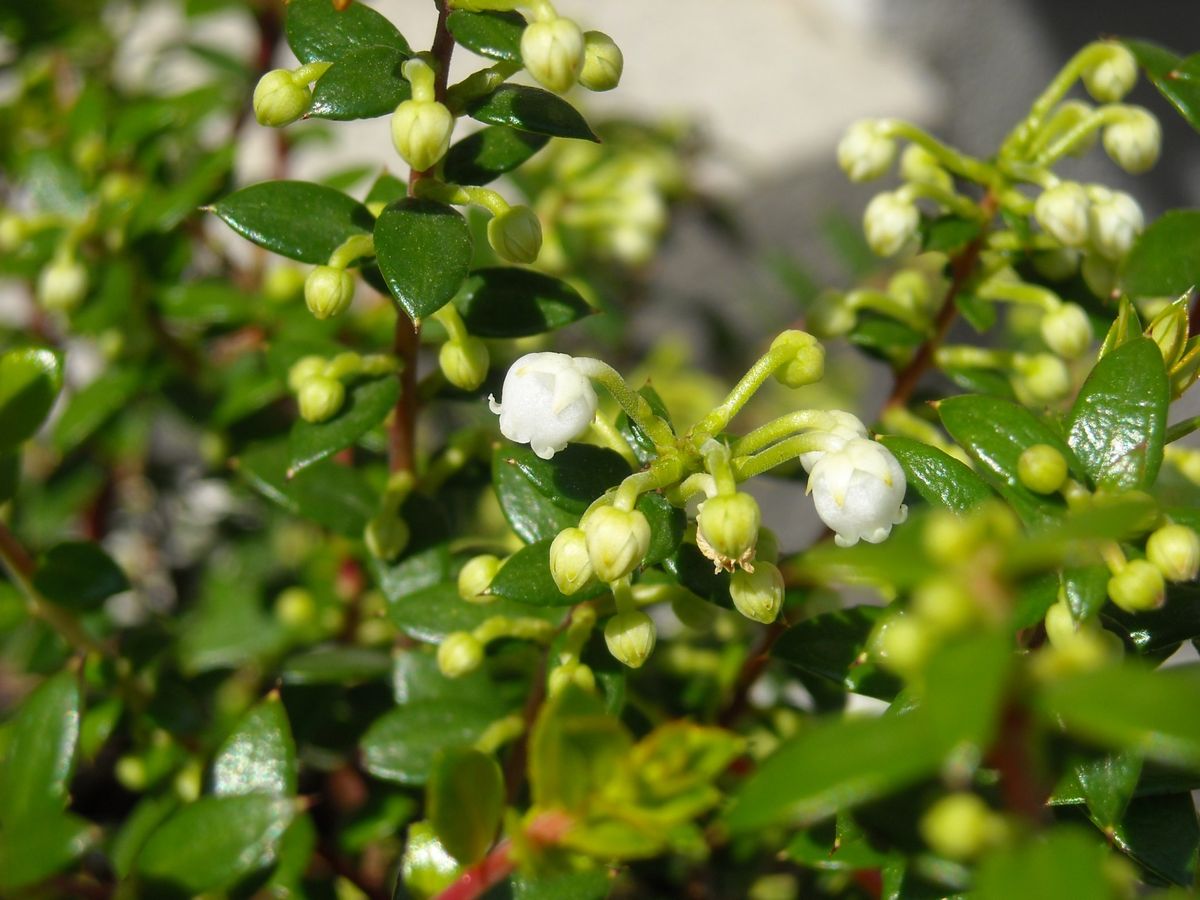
column 858, row 490
column 547, row 402
column 846, row 427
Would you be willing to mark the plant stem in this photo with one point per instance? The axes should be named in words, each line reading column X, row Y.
column 546, row 830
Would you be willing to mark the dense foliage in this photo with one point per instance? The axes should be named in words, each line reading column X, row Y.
column 328, row 573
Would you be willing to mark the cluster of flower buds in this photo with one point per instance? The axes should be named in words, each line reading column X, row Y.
column 462, row 652
column 559, row 54
column 1172, row 555
column 320, row 384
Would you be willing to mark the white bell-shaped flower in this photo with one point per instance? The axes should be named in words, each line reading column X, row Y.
column 547, row 402
column 846, row 427
column 858, row 490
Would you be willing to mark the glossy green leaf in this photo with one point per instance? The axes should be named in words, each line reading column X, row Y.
column 151, row 811
column 432, row 613
column 367, row 404
column 980, row 314
column 1163, row 68
column 1105, row 783
column 1127, row 326
column 1165, row 259
column 667, row 525
column 507, row 302
column 939, row 478
column 318, row 31
column 214, row 843
column 981, row 381
column 574, row 750
column 464, row 802
column 426, row 868
column 1162, row 834
column 78, row 575
column 1158, row 630
column 329, row 493
column 33, row 853
column 1130, row 706
column 531, row 109
column 296, row 850
column 259, row 756
column 1086, row 590
column 163, row 210
column 590, row 884
column 541, row 497
column 336, row 665
column 1065, row 862
column 89, row 409
column 484, row 156
column 424, row 251
column 302, row 221
column 526, row 578
column 363, row 84
column 996, row 432
column 30, row 379
column 40, row 753
column 1117, row 423
column 401, row 745
column 832, row 646
column 948, row 233
column 641, row 443
column 496, row 35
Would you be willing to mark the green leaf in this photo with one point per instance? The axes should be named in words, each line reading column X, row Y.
column 367, row 405
column 484, row 156
column 831, row 646
column 1086, row 590
column 464, row 802
column 426, row 869
column 980, row 314
column 1157, row 630
column 526, row 578
column 336, row 665
column 88, row 409
column 424, row 252
column 1163, row 68
column 78, row 575
column 434, row 612
column 363, row 84
column 212, row 844
column 981, row 381
column 590, row 884
column 33, row 853
column 10, row 475
column 496, row 35
column 1130, row 706
column 939, row 478
column 318, row 32
column 948, row 233
column 996, row 432
column 1106, row 784
column 302, row 221
column 209, row 302
column 667, row 525
column 509, row 302
column 575, row 750
column 541, row 497
column 40, row 754
column 30, row 379
column 1125, row 328
column 329, row 493
column 164, row 210
column 531, row 109
column 1162, row 834
column 151, row 811
column 1165, row 259
column 401, row 744
column 1117, row 423
column 1065, row 862
column 259, row 756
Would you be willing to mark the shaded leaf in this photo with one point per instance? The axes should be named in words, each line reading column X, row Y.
column 40, row 754
column 1164, row 69
column 465, row 799
column 78, row 575
column 506, row 302
column 831, row 646
column 30, row 379
column 496, row 35
column 487, row 154
column 366, row 406
column 401, row 745
column 531, row 109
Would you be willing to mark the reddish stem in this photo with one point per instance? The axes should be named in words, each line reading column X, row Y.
column 546, row 830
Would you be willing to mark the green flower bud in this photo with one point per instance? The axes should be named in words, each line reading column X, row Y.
column 1169, row 330
column 320, row 397
column 890, row 221
column 571, row 673
column 279, row 100
column 630, row 637
column 1113, row 77
column 62, row 284
column 282, row 283
column 570, row 565
column 729, row 525
column 296, row 608
column 1056, row 265
column 1042, row 469
column 464, row 363
column 475, row 576
column 421, row 131
column 1135, row 142
column 1137, row 587
column 344, row 365
column 1100, row 275
column 865, row 152
column 901, row 644
column 459, row 653
column 1062, row 211
column 602, row 62
column 961, row 826
column 944, row 604
column 1175, row 551
column 920, row 166
column 303, row 369
column 1067, row 331
column 617, row 541
column 328, row 291
column 808, row 364
column 386, row 535
column 1044, row 377
column 1061, row 627
column 830, row 315
column 12, row 232
column 911, row 288
column 553, row 53
column 758, row 595
column 516, row 234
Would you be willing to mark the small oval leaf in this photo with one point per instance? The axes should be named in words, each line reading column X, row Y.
column 465, row 799
column 496, row 35
column 30, row 379
column 317, row 31
column 939, row 478
column 487, row 154
column 424, row 252
column 531, row 109
column 367, row 404
column 506, row 302
column 361, row 85
column 259, row 756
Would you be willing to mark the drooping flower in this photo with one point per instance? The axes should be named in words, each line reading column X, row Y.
column 858, row 491
column 547, row 402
